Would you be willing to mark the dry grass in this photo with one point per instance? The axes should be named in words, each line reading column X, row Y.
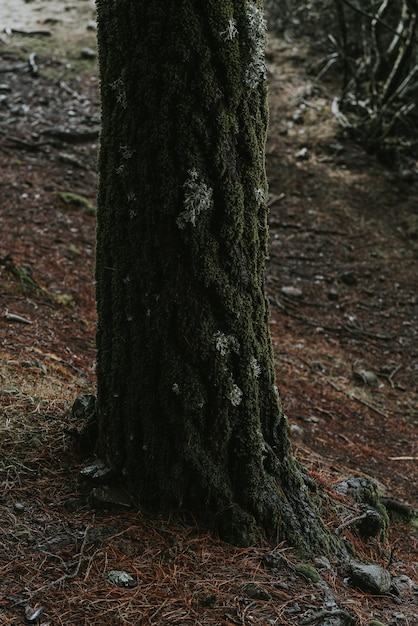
column 33, row 400
column 57, row 550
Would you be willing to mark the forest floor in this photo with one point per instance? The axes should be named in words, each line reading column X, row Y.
column 342, row 281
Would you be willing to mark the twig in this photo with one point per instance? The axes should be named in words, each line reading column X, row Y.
column 249, row 606
column 353, row 397
column 32, row 146
column 350, row 522
column 65, row 577
column 392, row 375
column 32, row 63
column 27, row 33
column 11, row 317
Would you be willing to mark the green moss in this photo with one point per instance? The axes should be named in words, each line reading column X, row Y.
column 74, row 199
column 308, row 572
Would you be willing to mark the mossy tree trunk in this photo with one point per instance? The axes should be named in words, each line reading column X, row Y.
column 187, row 405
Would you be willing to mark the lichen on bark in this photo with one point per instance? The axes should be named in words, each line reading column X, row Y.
column 187, row 406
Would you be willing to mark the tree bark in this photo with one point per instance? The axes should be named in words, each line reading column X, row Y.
column 187, row 407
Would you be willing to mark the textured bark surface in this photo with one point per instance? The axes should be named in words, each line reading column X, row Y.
column 187, row 405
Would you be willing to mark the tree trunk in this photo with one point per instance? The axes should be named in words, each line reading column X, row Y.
column 187, row 405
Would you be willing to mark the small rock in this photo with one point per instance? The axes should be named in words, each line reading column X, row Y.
column 84, row 406
column 292, row 292
column 88, row 53
column 302, row 154
column 105, row 496
column 332, row 295
column 361, row 488
column 256, row 592
column 273, row 560
column 349, row 279
column 97, row 472
column 206, row 598
column 121, row 578
column 322, row 562
column 404, row 583
column 370, row 578
column 74, row 504
column 365, row 377
column 297, row 117
column 296, row 431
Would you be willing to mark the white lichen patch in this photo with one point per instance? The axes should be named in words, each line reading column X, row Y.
column 198, row 198
column 235, row 395
column 230, row 31
column 118, row 87
column 225, row 344
column 257, row 26
column 260, row 195
column 126, row 152
column 255, row 367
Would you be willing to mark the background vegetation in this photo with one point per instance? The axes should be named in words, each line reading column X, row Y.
column 372, row 46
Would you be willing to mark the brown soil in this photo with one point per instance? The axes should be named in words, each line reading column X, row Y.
column 342, row 281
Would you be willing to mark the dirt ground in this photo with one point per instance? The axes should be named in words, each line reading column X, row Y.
column 342, row 281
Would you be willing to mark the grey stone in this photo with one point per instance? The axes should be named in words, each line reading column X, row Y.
column 322, row 562
column 404, row 583
column 292, row 292
column 273, row 560
column 361, row 489
column 88, row 53
column 97, row 472
column 110, row 496
column 84, row 405
column 370, row 578
column 121, row 578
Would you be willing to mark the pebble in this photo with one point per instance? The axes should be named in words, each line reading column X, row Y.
column 88, row 53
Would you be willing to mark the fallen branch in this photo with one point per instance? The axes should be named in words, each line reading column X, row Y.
column 27, row 145
column 353, row 397
column 11, row 317
column 27, row 33
column 350, row 522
